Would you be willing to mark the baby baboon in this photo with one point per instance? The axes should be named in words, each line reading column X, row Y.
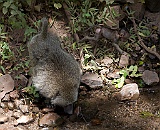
column 55, row 73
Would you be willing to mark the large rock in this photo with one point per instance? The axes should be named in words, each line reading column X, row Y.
column 150, row 77
column 153, row 5
column 128, row 92
column 6, row 85
column 139, row 10
column 93, row 80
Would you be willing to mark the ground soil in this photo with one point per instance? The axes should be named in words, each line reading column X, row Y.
column 101, row 111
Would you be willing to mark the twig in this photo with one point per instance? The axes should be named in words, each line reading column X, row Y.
column 68, row 14
column 118, row 48
column 141, row 42
column 96, row 39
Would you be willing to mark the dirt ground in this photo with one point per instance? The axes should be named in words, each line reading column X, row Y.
column 103, row 112
column 99, row 110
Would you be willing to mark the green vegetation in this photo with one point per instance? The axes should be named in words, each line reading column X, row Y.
column 22, row 16
column 130, row 72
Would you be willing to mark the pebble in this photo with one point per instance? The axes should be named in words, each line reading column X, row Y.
column 124, row 60
column 3, row 105
column 24, row 119
column 14, row 94
column 3, row 118
column 17, row 114
column 10, row 105
column 6, row 98
column 11, row 127
column 46, row 110
column 50, row 119
column 24, row 108
column 18, row 103
column 35, row 109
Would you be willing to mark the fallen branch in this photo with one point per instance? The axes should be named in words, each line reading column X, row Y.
column 141, row 42
column 112, row 35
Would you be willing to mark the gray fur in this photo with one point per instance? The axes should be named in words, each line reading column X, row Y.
column 55, row 73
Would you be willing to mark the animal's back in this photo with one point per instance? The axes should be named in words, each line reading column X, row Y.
column 55, row 73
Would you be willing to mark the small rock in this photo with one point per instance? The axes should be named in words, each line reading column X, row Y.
column 35, row 109
column 141, row 69
column 139, row 10
column 11, row 105
column 83, row 93
column 4, row 105
column 7, row 127
column 150, row 77
column 1, row 111
column 3, row 118
column 93, row 80
column 48, row 128
column 83, row 88
column 24, row 108
column 128, row 81
column 11, row 127
column 128, row 92
column 50, row 119
column 124, row 60
column 17, row 114
column 104, row 71
column 46, row 110
column 106, row 61
column 23, row 80
column 95, row 122
column 9, row 113
column 6, row 98
column 14, row 94
column 18, row 103
column 153, row 5
column 20, row 127
column 113, row 75
column 24, row 119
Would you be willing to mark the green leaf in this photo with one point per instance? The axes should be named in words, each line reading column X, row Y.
column 6, row 4
column 4, row 10
column 13, row 7
column 29, row 2
column 121, row 82
column 57, row 5
column 2, row 68
column 13, row 12
column 141, row 62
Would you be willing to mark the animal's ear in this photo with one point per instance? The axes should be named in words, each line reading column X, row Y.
column 68, row 109
column 44, row 27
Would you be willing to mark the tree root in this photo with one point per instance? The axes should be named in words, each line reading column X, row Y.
column 141, row 42
column 97, row 38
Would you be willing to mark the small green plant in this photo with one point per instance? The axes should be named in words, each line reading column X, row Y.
column 31, row 90
column 28, row 33
column 23, row 64
column 146, row 114
column 131, row 72
column 16, row 18
column 2, row 34
column 5, row 51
